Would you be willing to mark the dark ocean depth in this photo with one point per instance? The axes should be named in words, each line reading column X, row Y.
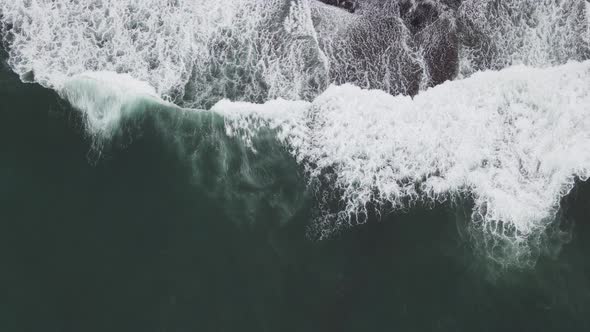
column 143, row 234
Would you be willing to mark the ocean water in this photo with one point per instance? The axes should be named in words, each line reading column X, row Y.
column 292, row 166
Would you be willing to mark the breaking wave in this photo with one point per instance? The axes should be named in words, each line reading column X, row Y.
column 398, row 103
column 513, row 141
column 198, row 52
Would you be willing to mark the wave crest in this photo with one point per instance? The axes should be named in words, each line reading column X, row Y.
column 514, row 141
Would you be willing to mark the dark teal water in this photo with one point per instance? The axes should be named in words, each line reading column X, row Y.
column 151, row 236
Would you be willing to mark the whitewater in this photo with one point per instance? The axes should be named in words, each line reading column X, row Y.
column 358, row 99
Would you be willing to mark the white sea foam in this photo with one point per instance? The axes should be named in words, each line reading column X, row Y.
column 104, row 97
column 196, row 52
column 512, row 140
column 497, row 34
column 254, row 50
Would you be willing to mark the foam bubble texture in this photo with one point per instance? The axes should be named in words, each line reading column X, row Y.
column 58, row 39
column 513, row 140
column 105, row 97
column 198, row 52
column 371, row 48
column 253, row 50
column 497, row 34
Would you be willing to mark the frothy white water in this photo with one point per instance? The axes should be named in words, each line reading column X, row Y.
column 497, row 34
column 104, row 97
column 255, row 50
column 197, row 52
column 513, row 140
column 58, row 39
column 372, row 48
